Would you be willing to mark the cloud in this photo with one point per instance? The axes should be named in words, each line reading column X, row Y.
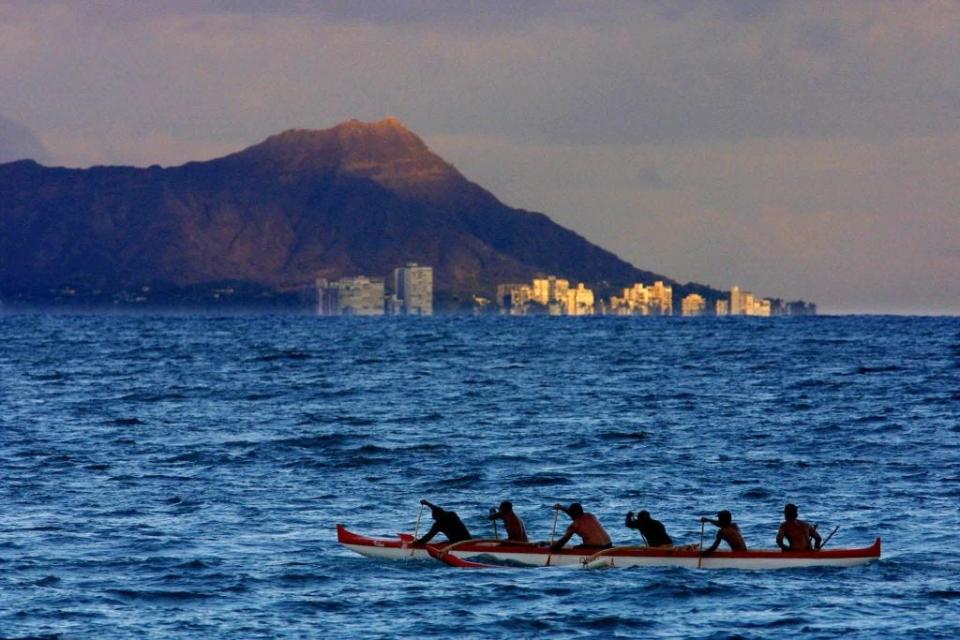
column 543, row 72
column 712, row 141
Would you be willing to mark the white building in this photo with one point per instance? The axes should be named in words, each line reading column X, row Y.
column 413, row 289
column 744, row 303
column 359, row 296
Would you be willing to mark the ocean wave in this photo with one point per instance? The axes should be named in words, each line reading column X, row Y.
column 356, row 421
column 323, row 441
column 126, row 422
column 190, row 456
column 786, row 621
column 513, row 625
column 541, row 480
column 818, row 384
column 356, row 462
column 884, row 368
column 193, row 565
column 418, row 419
column 462, row 481
column 255, row 397
column 151, row 397
column 159, row 595
column 634, row 436
column 312, row 606
column 291, row 354
column 54, row 376
column 426, row 447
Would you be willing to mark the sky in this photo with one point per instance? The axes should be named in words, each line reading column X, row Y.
column 796, row 149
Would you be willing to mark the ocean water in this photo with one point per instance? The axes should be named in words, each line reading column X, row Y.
column 181, row 477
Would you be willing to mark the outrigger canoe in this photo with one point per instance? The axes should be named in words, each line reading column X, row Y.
column 398, row 548
column 500, row 553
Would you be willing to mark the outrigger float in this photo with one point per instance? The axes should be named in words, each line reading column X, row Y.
column 482, row 554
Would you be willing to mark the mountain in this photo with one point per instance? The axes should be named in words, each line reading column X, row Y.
column 359, row 198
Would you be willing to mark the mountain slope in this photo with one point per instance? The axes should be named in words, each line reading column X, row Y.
column 354, row 199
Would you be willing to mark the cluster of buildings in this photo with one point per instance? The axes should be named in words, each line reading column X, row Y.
column 411, row 294
column 638, row 300
column 555, row 296
column 550, row 295
column 743, row 303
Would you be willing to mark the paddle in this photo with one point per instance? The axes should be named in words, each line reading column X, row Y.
column 496, row 534
column 824, row 543
column 416, row 530
column 700, row 555
column 553, row 533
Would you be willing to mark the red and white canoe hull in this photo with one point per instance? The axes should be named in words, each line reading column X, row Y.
column 384, row 548
column 487, row 553
column 744, row 560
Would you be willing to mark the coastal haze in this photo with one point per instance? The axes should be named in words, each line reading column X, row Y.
column 796, row 150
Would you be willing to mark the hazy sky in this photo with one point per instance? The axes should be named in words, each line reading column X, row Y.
column 798, row 149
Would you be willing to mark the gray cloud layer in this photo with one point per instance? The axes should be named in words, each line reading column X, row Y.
column 799, row 149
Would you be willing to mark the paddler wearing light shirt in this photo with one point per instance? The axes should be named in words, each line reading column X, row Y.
column 584, row 525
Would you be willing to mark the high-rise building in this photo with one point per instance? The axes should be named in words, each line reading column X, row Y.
column 540, row 291
column 656, row 299
column 550, row 295
column 549, row 289
column 359, row 296
column 736, row 302
column 693, row 305
column 745, row 303
column 413, row 289
column 661, row 295
column 579, row 301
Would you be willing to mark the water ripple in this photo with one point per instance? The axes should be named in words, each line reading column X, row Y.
column 180, row 477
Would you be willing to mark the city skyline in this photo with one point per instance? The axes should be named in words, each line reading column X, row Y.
column 810, row 150
column 411, row 293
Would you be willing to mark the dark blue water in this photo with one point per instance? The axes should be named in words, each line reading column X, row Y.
column 180, row 477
